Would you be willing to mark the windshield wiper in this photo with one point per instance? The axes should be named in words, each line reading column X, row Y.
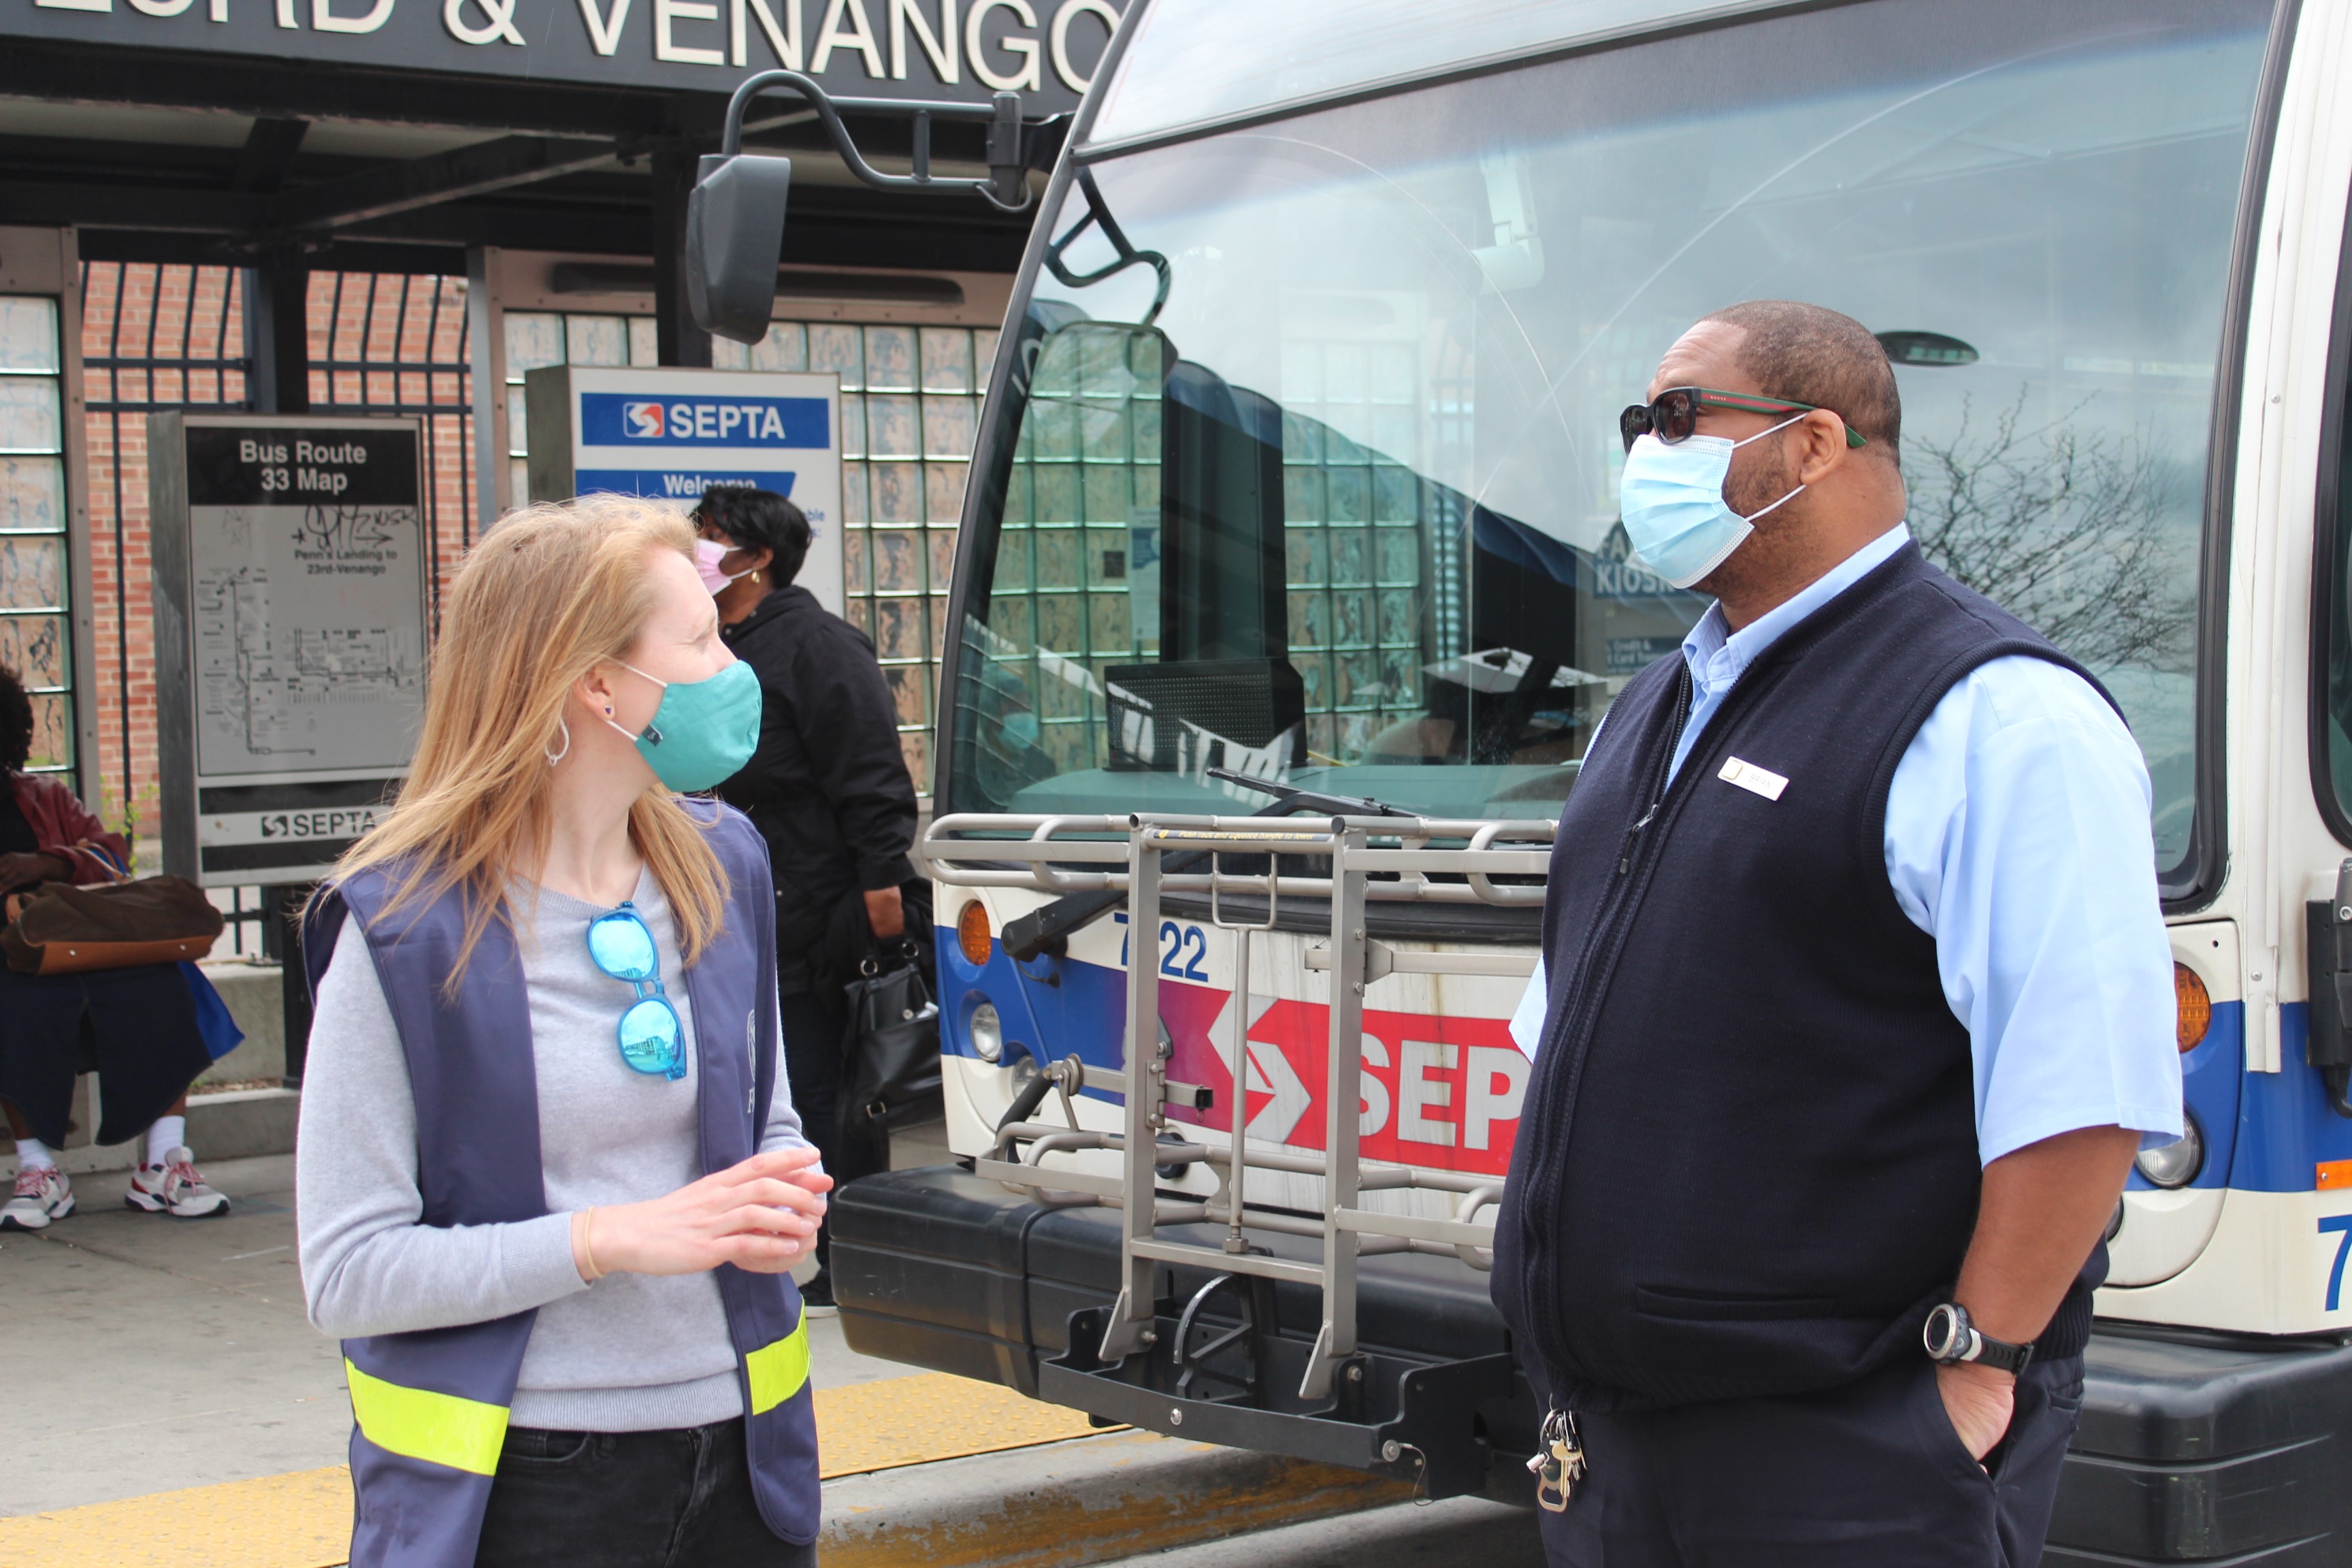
column 1034, row 933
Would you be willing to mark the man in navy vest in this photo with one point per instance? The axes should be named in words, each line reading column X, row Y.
column 1859, row 1006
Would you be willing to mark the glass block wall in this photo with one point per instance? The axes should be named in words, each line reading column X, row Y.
column 1372, row 590
column 34, row 579
column 909, row 409
column 1076, row 588
column 1353, row 538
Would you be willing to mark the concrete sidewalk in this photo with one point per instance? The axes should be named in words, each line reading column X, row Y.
column 154, row 1355
column 180, row 1411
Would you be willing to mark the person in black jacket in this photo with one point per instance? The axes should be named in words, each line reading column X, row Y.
column 828, row 789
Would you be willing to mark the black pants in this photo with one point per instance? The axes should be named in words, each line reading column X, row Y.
column 629, row 1499
column 813, row 1022
column 135, row 1027
column 1863, row 1477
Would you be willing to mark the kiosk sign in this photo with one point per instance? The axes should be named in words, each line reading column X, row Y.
column 669, row 434
column 291, row 580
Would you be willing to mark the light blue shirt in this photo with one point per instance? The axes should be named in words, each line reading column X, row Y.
column 2017, row 835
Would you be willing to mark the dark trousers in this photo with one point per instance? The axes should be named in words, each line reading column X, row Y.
column 679, row 1499
column 813, row 1023
column 135, row 1027
column 1861, row 1477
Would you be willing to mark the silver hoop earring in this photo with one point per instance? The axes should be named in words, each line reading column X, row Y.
column 563, row 728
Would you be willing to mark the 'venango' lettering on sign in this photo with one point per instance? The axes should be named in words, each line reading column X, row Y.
column 974, row 48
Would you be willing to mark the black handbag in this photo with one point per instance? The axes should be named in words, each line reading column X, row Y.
column 890, row 1052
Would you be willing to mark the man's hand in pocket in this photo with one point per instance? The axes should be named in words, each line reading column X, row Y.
column 1979, row 1401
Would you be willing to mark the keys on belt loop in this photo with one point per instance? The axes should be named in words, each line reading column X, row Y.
column 1559, row 1463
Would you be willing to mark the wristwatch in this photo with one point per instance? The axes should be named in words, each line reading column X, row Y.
column 1952, row 1338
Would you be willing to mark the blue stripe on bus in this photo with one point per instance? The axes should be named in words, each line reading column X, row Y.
column 2209, row 1075
column 2285, row 1130
column 1050, row 1007
column 2264, row 1131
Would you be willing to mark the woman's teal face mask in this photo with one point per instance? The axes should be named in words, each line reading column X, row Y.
column 704, row 732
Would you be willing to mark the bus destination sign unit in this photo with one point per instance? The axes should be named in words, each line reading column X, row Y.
column 290, row 587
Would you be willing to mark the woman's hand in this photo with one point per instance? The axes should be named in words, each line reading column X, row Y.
column 758, row 1216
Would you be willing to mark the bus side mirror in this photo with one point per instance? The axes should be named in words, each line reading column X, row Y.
column 734, row 238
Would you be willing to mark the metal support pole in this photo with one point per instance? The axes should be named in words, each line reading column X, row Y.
column 486, row 332
column 678, row 339
column 282, row 939
column 1337, row 1342
column 278, row 332
column 1236, row 1161
column 1133, row 1323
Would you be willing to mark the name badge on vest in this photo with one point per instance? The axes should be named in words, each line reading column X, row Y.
column 1753, row 779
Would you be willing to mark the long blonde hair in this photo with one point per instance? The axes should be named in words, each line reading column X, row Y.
column 548, row 594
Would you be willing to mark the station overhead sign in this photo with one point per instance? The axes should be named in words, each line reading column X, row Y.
column 1045, row 49
column 669, row 434
column 290, row 579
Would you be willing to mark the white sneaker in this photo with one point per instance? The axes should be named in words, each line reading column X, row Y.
column 175, row 1188
column 43, row 1194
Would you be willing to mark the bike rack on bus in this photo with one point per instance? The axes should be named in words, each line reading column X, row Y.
column 1061, row 854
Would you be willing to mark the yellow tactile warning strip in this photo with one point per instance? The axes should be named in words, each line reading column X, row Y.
column 301, row 1520
column 304, row 1520
column 932, row 1415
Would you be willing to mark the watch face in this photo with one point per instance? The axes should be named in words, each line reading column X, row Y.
column 1942, row 1332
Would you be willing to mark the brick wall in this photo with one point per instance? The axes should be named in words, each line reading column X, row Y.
column 157, row 336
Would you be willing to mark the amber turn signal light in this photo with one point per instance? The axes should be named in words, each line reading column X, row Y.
column 2195, row 1003
column 973, row 936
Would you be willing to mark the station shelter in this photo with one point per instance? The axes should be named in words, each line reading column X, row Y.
column 405, row 206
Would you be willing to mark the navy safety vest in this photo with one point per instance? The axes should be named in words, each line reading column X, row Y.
column 1747, row 1162
column 430, row 1409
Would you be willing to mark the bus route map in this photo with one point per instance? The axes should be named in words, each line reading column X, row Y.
column 309, row 638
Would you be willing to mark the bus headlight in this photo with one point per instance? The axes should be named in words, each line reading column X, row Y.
column 987, row 1033
column 2176, row 1164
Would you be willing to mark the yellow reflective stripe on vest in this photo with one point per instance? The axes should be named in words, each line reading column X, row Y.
column 779, row 1371
column 440, row 1428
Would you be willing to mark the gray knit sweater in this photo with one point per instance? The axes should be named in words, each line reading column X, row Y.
column 630, row 1352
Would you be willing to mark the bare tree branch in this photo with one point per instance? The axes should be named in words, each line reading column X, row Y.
column 2066, row 529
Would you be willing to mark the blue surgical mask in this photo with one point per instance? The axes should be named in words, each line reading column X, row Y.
column 704, row 732
column 1671, row 501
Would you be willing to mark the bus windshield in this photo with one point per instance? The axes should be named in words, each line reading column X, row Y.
column 1307, row 466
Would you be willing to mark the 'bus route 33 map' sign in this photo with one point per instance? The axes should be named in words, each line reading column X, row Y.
column 290, row 584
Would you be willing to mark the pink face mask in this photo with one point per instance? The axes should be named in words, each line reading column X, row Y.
column 708, row 554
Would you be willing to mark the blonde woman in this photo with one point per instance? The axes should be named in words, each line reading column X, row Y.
column 551, row 1181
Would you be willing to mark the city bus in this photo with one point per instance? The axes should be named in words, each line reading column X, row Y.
column 1290, row 568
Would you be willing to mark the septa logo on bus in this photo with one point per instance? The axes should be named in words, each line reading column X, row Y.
column 1439, row 1091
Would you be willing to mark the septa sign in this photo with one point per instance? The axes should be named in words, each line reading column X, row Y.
column 1439, row 1091
column 621, row 419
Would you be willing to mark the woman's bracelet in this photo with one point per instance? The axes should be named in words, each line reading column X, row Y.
column 584, row 1244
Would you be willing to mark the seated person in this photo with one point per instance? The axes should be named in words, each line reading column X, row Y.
column 139, row 1023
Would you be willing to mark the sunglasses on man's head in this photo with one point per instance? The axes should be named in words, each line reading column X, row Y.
column 1673, row 414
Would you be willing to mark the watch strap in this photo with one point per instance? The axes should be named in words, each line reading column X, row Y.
column 1964, row 1341
column 1990, row 1352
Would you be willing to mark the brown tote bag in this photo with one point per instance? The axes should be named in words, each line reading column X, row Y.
column 66, row 929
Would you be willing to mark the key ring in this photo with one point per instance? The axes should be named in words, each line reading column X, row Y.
column 1559, row 1463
